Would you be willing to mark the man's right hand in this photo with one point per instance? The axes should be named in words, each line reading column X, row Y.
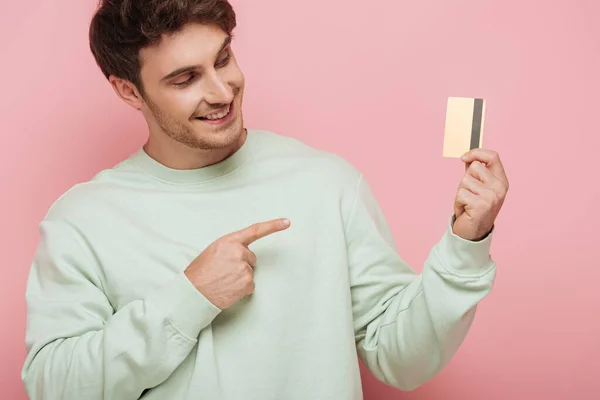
column 224, row 271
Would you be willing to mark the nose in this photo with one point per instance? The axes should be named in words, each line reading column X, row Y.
column 217, row 89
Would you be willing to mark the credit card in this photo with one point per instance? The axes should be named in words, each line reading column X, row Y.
column 464, row 125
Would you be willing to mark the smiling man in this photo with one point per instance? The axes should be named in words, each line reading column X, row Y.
column 219, row 262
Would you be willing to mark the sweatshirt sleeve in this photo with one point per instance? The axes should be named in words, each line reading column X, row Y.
column 407, row 325
column 78, row 347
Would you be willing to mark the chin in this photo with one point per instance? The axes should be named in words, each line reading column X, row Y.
column 217, row 138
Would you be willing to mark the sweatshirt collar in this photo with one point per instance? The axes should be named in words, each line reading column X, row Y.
column 198, row 175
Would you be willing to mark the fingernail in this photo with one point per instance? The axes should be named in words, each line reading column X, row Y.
column 285, row 222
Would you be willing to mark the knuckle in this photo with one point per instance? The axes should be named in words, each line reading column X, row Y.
column 254, row 230
column 243, row 267
column 247, row 278
column 215, row 250
column 220, row 244
column 501, row 189
column 252, row 258
column 498, row 198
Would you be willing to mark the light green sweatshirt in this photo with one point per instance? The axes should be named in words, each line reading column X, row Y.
column 112, row 316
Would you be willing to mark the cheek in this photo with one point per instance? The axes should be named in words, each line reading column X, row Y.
column 185, row 103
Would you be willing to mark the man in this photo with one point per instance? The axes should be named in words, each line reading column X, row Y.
column 219, row 262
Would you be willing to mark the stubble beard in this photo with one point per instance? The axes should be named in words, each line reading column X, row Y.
column 186, row 135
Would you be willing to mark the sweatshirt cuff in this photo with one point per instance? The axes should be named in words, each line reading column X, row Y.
column 465, row 257
column 185, row 306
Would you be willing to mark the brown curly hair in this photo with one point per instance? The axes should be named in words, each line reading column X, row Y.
column 121, row 28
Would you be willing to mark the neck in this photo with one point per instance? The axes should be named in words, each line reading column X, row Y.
column 179, row 156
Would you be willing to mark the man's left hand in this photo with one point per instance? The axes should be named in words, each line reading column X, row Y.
column 480, row 194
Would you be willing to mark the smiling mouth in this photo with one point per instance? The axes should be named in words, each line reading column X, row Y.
column 219, row 116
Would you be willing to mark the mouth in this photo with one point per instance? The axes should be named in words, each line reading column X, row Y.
column 219, row 117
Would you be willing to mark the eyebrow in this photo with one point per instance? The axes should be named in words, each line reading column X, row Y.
column 189, row 68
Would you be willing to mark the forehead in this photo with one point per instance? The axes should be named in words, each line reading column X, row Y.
column 194, row 44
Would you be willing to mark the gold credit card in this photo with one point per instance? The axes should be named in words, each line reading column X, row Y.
column 464, row 125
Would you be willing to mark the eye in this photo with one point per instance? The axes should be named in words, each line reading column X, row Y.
column 224, row 60
column 186, row 82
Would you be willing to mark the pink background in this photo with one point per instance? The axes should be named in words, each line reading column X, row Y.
column 367, row 80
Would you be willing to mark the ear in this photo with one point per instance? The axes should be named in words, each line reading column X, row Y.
column 127, row 92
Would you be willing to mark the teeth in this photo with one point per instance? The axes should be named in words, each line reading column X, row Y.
column 219, row 115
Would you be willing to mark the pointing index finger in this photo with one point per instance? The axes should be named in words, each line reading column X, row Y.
column 259, row 230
